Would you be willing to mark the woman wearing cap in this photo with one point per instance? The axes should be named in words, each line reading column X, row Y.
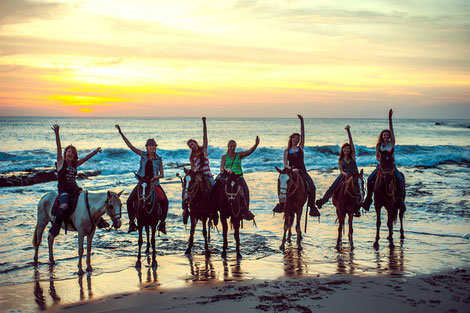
column 151, row 164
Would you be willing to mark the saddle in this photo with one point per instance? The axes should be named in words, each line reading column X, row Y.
column 72, row 204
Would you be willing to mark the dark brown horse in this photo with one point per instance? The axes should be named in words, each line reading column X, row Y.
column 292, row 192
column 346, row 199
column 148, row 214
column 196, row 191
column 230, row 204
column 385, row 194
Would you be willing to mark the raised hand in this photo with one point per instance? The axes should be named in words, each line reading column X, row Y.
column 257, row 140
column 55, row 128
column 347, row 127
column 118, row 128
column 98, row 150
column 203, row 118
column 300, row 116
column 390, row 113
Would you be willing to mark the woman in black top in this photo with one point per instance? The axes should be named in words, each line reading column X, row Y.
column 294, row 158
column 67, row 172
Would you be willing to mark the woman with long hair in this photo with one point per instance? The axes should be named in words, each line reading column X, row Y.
column 347, row 166
column 66, row 165
column 294, row 158
column 151, row 165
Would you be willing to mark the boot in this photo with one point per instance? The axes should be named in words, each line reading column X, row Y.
column 59, row 218
column 248, row 215
column 278, row 208
column 357, row 212
column 320, row 202
column 161, row 227
column 132, row 226
column 185, row 213
column 367, row 202
column 314, row 211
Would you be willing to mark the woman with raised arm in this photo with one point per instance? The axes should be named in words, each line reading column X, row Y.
column 151, row 165
column 347, row 166
column 386, row 141
column 232, row 162
column 67, row 165
column 294, row 158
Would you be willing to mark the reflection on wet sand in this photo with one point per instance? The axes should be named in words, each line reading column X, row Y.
column 151, row 281
column 294, row 262
column 201, row 270
column 43, row 302
column 345, row 261
column 395, row 261
column 236, row 271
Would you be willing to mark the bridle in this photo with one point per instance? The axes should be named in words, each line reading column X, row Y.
column 147, row 198
column 295, row 184
column 232, row 196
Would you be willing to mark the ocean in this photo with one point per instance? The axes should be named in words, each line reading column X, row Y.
column 435, row 159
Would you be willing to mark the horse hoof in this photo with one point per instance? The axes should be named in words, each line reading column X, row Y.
column 51, row 262
column 89, row 269
column 80, row 273
column 138, row 264
column 154, row 264
column 376, row 245
column 208, row 253
column 300, row 248
column 147, row 251
column 224, row 255
column 337, row 247
column 281, row 247
column 402, row 236
column 187, row 252
column 239, row 256
column 392, row 246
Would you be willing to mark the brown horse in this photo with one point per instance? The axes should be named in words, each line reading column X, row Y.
column 230, row 202
column 292, row 192
column 196, row 191
column 346, row 199
column 385, row 194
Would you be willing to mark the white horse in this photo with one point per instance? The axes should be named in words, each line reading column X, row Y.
column 84, row 220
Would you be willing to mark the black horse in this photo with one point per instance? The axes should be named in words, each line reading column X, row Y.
column 196, row 191
column 148, row 213
column 385, row 194
column 231, row 204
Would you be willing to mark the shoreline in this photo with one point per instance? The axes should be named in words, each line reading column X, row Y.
column 444, row 291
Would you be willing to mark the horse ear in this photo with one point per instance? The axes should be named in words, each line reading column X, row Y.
column 120, row 193
column 277, row 168
column 239, row 175
column 109, row 194
column 185, row 170
column 361, row 172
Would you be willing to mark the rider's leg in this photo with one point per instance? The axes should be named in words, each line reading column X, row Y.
column 130, row 210
column 164, row 207
column 370, row 189
column 61, row 212
column 320, row 202
column 400, row 189
column 311, row 196
column 246, row 214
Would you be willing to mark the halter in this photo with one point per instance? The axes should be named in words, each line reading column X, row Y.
column 146, row 199
column 355, row 193
column 194, row 188
column 233, row 196
column 389, row 188
column 116, row 215
column 295, row 184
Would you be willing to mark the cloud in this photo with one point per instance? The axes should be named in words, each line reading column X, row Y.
column 21, row 11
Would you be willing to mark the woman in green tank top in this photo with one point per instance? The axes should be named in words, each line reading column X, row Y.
column 232, row 161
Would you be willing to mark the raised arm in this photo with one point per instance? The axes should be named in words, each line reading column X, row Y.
column 246, row 153
column 128, row 143
column 60, row 159
column 89, row 156
column 390, row 125
column 353, row 150
column 285, row 158
column 205, row 142
column 302, row 132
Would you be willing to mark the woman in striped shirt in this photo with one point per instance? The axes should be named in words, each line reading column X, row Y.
column 232, row 161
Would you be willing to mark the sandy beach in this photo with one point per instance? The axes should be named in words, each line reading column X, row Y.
column 446, row 291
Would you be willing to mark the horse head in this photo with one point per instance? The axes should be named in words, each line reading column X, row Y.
column 386, row 159
column 144, row 192
column 233, row 187
column 113, row 207
column 283, row 183
column 355, row 186
column 191, row 183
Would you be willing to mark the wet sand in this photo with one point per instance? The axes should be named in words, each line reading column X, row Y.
column 447, row 291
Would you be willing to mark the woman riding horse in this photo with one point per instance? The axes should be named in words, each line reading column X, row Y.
column 232, row 162
column 386, row 142
column 151, row 165
column 347, row 167
column 67, row 173
column 199, row 162
column 294, row 158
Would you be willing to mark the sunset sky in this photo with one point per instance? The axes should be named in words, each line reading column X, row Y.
column 235, row 58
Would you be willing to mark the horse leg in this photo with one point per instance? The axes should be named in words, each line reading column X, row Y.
column 89, row 238
column 350, row 234
column 299, row 231
column 286, row 227
column 81, row 238
column 138, row 264
column 223, row 220
column 390, row 227
column 401, row 214
column 236, row 234
column 50, row 242
column 377, row 235
column 191, row 236
column 147, row 231
column 37, row 238
column 154, row 260
column 341, row 217
column 204, row 233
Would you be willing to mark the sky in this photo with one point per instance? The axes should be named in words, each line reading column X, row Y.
column 243, row 58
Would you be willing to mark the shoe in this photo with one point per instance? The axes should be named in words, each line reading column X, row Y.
column 161, row 227
column 367, row 203
column 248, row 216
column 185, row 216
column 278, row 208
column 357, row 213
column 314, row 211
column 55, row 230
column 132, row 227
column 319, row 203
